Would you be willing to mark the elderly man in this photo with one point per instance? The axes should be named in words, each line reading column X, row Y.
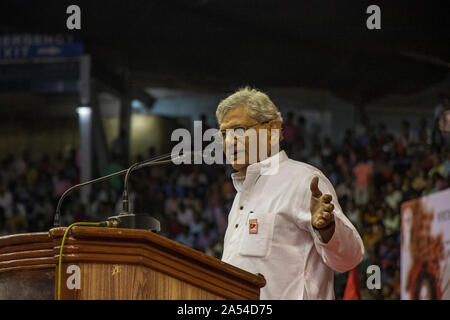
column 285, row 223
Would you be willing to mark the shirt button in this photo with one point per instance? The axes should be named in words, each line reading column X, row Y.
column 237, row 225
column 242, row 207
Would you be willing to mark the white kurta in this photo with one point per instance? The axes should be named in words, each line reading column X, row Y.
column 286, row 250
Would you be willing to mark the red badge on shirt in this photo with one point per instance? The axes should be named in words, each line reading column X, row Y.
column 253, row 226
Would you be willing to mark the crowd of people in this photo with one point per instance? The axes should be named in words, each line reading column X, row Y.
column 373, row 172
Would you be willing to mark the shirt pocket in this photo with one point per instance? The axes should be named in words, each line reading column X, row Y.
column 257, row 244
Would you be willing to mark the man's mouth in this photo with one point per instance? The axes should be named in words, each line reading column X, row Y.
column 237, row 157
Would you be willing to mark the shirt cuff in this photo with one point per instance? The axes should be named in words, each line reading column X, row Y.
column 333, row 242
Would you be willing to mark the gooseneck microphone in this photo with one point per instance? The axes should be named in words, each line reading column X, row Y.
column 127, row 219
column 117, row 221
column 140, row 165
column 56, row 221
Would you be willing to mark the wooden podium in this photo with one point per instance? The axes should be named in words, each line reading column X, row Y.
column 116, row 264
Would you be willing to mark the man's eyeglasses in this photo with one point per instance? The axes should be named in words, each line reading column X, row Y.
column 238, row 131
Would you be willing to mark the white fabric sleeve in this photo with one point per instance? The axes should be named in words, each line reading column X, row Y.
column 345, row 249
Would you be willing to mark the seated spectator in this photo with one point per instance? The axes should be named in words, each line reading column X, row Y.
column 430, row 186
column 371, row 237
column 407, row 191
column 17, row 222
column 301, row 147
column 405, row 142
column 2, row 222
column 185, row 215
column 185, row 179
column 220, row 217
column 185, row 238
column 172, row 203
column 370, row 216
column 363, row 172
column 344, row 190
column 60, row 184
column 105, row 194
column 327, row 151
column 207, row 237
column 391, row 221
column 353, row 214
column 393, row 197
column 196, row 225
column 289, row 134
column 193, row 202
column 115, row 166
column 438, row 166
column 419, row 183
column 226, row 187
column 200, row 181
column 447, row 164
column 6, row 201
column 388, row 254
column 316, row 158
column 80, row 214
column 175, row 227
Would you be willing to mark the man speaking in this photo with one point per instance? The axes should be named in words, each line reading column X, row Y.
column 285, row 222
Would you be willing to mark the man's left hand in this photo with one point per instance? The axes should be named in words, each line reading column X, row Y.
column 321, row 209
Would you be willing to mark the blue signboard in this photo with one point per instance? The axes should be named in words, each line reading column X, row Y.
column 30, row 46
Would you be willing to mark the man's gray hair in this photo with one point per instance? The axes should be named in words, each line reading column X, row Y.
column 259, row 106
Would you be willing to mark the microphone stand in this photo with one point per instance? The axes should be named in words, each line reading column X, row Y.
column 124, row 219
column 56, row 221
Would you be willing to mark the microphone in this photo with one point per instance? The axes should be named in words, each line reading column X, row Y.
column 130, row 220
column 156, row 160
column 143, row 164
column 198, row 155
column 57, row 218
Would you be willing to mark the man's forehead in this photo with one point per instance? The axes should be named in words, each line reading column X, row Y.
column 235, row 116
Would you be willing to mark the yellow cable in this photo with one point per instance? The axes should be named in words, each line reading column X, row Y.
column 61, row 250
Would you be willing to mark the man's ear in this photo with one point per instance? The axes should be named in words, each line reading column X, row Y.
column 276, row 124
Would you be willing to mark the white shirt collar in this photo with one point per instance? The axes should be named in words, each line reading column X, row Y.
column 256, row 169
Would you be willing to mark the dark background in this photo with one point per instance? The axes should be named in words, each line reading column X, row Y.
column 222, row 44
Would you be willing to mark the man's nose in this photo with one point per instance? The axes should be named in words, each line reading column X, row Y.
column 230, row 143
column 230, row 140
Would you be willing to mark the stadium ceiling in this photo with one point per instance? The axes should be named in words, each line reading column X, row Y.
column 221, row 45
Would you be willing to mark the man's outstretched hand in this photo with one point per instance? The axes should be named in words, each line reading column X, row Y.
column 321, row 208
